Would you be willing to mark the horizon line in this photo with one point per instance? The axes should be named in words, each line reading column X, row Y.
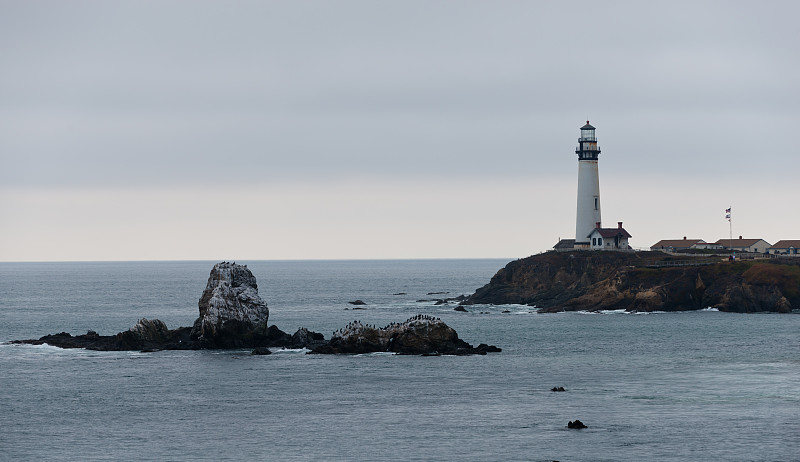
column 263, row 260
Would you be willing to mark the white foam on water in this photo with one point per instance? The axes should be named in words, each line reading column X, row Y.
column 289, row 350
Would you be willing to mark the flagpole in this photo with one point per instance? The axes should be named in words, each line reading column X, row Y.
column 730, row 232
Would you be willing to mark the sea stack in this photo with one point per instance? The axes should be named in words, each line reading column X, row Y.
column 230, row 306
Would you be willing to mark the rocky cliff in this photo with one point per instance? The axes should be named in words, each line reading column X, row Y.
column 643, row 281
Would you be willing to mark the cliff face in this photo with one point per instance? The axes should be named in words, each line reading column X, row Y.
column 642, row 281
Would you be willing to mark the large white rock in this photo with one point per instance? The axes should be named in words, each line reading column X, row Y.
column 231, row 294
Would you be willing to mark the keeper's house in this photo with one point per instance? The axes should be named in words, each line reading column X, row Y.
column 785, row 247
column 745, row 245
column 609, row 238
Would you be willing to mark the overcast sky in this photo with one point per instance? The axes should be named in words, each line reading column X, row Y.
column 373, row 129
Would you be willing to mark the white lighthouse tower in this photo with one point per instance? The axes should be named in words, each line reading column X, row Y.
column 588, row 217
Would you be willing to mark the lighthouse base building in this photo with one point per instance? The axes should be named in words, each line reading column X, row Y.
column 589, row 235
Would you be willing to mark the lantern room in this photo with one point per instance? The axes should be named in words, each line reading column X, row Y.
column 587, row 144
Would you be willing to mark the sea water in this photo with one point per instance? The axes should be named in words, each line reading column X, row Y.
column 663, row 386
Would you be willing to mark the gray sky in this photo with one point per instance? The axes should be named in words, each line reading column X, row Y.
column 369, row 129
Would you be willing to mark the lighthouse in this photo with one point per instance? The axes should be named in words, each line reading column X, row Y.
column 588, row 216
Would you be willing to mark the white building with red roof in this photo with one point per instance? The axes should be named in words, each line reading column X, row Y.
column 609, row 238
column 785, row 247
column 745, row 245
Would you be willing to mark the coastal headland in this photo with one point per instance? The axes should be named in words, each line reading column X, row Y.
column 644, row 281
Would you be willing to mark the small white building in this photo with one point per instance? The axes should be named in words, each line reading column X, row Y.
column 745, row 245
column 785, row 247
column 609, row 238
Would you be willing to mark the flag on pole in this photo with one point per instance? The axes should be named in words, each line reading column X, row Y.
column 728, row 210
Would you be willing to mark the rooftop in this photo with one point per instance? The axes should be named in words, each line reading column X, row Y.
column 786, row 243
column 676, row 243
column 611, row 232
column 738, row 242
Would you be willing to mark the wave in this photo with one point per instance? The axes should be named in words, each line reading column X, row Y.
column 289, row 350
column 43, row 347
column 378, row 353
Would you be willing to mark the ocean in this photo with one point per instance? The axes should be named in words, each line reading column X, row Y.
column 698, row 385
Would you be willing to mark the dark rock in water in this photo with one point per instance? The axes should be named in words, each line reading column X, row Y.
column 484, row 348
column 357, row 302
column 577, row 424
column 304, row 338
column 460, row 308
column 420, row 335
column 261, row 351
column 437, row 293
column 557, row 389
column 144, row 336
column 441, row 302
column 400, row 293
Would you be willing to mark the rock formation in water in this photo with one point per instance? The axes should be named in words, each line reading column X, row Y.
column 233, row 315
column 643, row 281
column 417, row 336
column 576, row 424
column 231, row 311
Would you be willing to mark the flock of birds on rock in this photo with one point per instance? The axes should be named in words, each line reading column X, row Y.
column 357, row 326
